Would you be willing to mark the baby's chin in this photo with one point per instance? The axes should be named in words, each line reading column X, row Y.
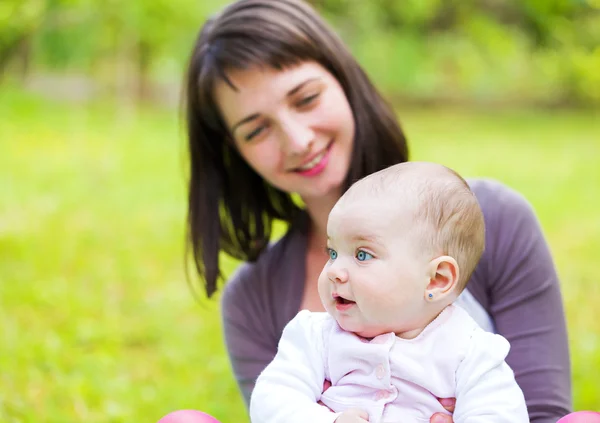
column 363, row 332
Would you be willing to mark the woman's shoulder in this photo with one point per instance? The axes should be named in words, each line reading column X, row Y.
column 503, row 207
column 510, row 227
column 494, row 196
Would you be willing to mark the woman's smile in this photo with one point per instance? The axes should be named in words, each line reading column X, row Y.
column 317, row 163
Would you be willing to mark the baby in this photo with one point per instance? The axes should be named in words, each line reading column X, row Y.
column 402, row 245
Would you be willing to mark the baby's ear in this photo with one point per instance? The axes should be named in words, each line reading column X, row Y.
column 443, row 278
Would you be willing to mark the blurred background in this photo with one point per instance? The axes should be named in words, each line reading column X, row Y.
column 98, row 323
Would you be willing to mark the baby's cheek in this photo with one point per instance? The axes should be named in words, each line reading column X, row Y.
column 383, row 303
column 323, row 286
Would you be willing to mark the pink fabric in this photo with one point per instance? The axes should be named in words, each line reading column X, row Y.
column 193, row 416
column 188, row 416
column 581, row 417
column 393, row 381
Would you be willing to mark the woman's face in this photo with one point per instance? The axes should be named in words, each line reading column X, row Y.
column 294, row 127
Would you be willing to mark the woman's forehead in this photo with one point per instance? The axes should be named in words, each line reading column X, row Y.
column 261, row 87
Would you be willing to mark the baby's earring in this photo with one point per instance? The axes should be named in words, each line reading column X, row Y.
column 430, row 296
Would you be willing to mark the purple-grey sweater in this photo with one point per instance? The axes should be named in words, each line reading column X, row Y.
column 515, row 282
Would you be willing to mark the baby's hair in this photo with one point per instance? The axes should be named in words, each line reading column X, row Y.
column 446, row 216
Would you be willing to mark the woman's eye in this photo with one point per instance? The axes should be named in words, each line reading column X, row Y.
column 254, row 133
column 363, row 255
column 332, row 254
column 307, row 100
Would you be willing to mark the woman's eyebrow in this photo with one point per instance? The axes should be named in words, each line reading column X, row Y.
column 290, row 93
column 300, row 85
column 243, row 121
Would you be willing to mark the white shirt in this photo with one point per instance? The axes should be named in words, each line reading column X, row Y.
column 469, row 303
column 393, row 379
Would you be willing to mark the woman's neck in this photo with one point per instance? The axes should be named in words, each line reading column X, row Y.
column 318, row 210
column 316, row 256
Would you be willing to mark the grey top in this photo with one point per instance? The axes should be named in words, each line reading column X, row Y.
column 515, row 282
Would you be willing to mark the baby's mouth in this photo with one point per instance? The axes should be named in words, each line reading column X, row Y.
column 341, row 301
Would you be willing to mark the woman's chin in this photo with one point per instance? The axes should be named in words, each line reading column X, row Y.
column 323, row 190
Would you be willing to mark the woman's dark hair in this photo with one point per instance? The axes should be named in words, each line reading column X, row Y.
column 230, row 207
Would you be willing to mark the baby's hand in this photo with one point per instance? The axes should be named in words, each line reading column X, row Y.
column 353, row 415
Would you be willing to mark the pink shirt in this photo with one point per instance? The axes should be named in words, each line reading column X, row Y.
column 393, row 379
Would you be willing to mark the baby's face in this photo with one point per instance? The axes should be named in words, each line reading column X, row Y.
column 374, row 281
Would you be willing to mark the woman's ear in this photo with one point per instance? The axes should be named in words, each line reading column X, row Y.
column 443, row 278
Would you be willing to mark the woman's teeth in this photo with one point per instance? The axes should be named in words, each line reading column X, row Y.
column 313, row 162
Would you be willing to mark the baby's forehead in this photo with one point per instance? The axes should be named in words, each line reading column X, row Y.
column 345, row 226
column 352, row 205
column 370, row 214
column 392, row 201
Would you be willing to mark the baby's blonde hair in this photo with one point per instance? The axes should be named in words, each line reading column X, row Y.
column 447, row 218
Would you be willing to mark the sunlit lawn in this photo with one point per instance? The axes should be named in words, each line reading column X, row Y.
column 97, row 322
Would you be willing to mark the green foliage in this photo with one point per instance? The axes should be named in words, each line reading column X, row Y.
column 535, row 51
column 98, row 324
column 531, row 51
column 19, row 20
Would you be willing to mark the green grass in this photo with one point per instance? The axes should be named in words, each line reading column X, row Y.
column 98, row 324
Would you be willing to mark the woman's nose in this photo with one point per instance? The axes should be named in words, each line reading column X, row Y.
column 297, row 136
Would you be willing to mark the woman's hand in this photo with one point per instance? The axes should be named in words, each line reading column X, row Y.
column 448, row 404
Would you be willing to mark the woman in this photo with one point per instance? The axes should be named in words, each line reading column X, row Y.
column 277, row 105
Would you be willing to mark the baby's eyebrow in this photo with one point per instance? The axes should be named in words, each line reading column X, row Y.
column 369, row 238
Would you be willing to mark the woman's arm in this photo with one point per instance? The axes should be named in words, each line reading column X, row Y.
column 525, row 301
column 247, row 329
column 258, row 301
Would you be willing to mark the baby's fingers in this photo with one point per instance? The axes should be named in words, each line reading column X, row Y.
column 353, row 415
column 441, row 418
column 360, row 413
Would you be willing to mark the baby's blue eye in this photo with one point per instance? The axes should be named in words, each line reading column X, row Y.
column 332, row 254
column 363, row 255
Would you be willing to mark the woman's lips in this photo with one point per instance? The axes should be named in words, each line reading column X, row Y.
column 317, row 164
